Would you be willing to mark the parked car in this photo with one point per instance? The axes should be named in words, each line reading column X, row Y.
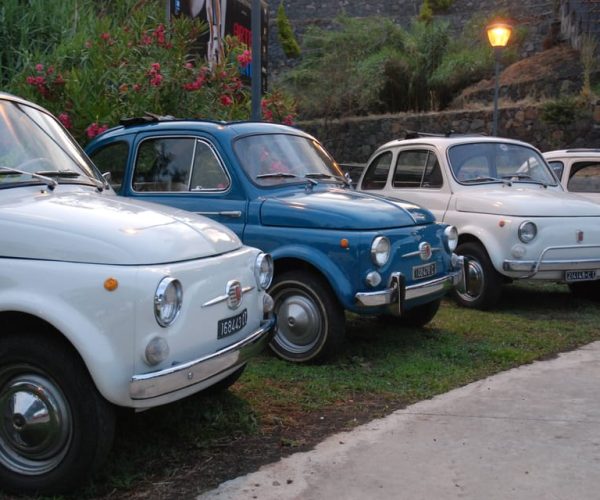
column 278, row 189
column 514, row 219
column 105, row 302
column 578, row 170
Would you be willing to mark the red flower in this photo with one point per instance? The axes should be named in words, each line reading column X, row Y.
column 39, row 68
column 65, row 119
column 94, row 129
column 245, row 58
column 226, row 100
column 288, row 120
column 105, row 36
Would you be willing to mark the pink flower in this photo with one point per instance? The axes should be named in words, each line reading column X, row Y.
column 156, row 80
column 65, row 119
column 146, row 40
column 105, row 36
column 137, row 87
column 288, row 120
column 245, row 58
column 268, row 115
column 155, row 67
column 39, row 68
column 226, row 100
column 94, row 129
column 30, row 80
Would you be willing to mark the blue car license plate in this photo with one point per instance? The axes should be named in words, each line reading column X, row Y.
column 425, row 271
column 229, row 326
column 572, row 276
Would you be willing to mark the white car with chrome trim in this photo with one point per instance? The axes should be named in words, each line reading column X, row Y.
column 105, row 302
column 514, row 219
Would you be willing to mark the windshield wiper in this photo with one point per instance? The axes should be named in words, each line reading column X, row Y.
column 320, row 175
column 486, row 179
column 524, row 177
column 51, row 183
column 276, row 175
column 71, row 174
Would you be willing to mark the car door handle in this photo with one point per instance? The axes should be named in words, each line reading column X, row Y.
column 226, row 213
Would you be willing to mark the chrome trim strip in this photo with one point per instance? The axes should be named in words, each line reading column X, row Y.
column 236, row 214
column 159, row 383
column 417, row 252
column 532, row 267
column 223, row 298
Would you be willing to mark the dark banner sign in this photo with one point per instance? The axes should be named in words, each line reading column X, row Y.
column 225, row 17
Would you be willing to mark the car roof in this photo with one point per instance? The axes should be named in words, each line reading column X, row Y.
column 451, row 140
column 184, row 125
column 572, row 153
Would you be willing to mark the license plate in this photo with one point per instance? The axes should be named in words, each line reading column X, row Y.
column 425, row 271
column 229, row 326
column 571, row 276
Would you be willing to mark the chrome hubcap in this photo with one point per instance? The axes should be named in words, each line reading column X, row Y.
column 35, row 423
column 299, row 323
column 475, row 281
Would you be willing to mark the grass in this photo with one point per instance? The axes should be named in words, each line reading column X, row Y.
column 381, row 366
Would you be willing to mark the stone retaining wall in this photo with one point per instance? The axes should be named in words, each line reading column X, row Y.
column 354, row 139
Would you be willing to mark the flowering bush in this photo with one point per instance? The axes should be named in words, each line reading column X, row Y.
column 144, row 66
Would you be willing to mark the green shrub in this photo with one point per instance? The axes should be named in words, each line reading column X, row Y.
column 286, row 34
column 562, row 111
column 129, row 66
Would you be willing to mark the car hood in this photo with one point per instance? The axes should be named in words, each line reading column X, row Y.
column 105, row 229
column 340, row 209
column 526, row 202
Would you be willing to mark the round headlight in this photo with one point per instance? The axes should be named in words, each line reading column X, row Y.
column 167, row 301
column 263, row 270
column 451, row 238
column 380, row 251
column 527, row 231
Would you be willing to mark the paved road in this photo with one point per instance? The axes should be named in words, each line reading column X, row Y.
column 529, row 433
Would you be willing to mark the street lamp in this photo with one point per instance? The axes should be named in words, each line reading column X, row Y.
column 498, row 35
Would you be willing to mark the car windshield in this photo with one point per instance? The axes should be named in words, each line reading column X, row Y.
column 35, row 149
column 275, row 159
column 485, row 162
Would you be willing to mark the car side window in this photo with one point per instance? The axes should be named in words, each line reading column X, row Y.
column 113, row 159
column 416, row 169
column 164, row 164
column 208, row 173
column 377, row 172
column 557, row 167
column 584, row 178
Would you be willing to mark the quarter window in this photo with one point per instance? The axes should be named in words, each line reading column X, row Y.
column 377, row 172
column 113, row 159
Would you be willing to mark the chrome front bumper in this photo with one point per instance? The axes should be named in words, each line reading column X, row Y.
column 397, row 292
column 532, row 267
column 159, row 383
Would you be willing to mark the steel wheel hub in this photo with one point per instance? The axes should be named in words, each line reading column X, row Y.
column 299, row 323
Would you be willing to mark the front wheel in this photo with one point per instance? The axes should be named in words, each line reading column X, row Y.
column 310, row 319
column 484, row 283
column 55, row 428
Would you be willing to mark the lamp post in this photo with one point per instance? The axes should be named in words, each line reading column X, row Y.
column 498, row 35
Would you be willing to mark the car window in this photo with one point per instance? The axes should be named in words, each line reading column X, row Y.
column 557, row 167
column 164, row 164
column 416, row 169
column 377, row 172
column 113, row 159
column 207, row 173
column 584, row 178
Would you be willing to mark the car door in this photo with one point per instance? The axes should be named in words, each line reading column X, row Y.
column 182, row 171
column 411, row 174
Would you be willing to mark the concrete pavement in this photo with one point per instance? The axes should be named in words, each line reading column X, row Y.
column 529, row 433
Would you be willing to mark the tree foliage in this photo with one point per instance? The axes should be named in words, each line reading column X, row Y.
column 286, row 34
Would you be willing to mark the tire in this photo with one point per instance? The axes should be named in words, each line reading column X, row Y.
column 310, row 319
column 484, row 283
column 589, row 290
column 58, row 454
column 420, row 315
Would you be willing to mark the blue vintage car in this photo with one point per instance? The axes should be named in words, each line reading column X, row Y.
column 335, row 249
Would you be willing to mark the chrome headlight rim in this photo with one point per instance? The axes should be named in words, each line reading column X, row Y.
column 451, row 238
column 166, row 310
column 527, row 231
column 380, row 250
column 263, row 270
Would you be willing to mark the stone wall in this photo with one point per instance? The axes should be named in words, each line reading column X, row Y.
column 353, row 140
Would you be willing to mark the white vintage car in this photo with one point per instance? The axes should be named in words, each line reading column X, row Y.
column 104, row 302
column 514, row 219
column 578, row 170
